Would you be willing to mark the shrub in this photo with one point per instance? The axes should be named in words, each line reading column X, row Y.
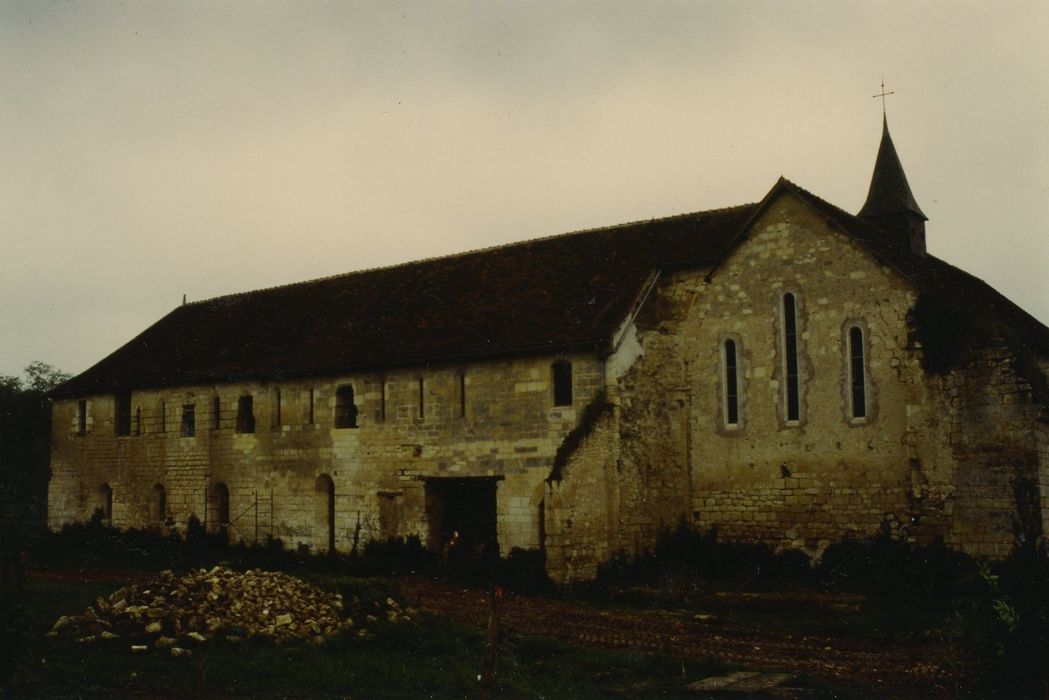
column 883, row 566
column 685, row 552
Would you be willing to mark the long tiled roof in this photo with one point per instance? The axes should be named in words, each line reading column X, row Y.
column 556, row 294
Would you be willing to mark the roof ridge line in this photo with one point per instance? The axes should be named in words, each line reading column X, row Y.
column 464, row 253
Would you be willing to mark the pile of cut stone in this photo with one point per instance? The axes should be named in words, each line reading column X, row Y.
column 177, row 610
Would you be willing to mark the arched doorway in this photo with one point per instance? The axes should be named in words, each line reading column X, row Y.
column 158, row 504
column 218, row 508
column 105, row 504
column 325, row 513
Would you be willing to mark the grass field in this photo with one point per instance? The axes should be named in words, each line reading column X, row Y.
column 428, row 658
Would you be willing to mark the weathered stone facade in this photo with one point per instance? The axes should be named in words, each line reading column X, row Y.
column 774, row 387
column 933, row 456
column 509, row 432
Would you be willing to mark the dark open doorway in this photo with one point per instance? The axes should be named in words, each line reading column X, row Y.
column 461, row 516
column 324, row 488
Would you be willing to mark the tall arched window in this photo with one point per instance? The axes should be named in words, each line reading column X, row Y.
column 462, row 393
column 857, row 374
column 158, row 505
column 422, row 398
column 731, row 379
column 790, row 357
column 562, row 374
column 345, row 408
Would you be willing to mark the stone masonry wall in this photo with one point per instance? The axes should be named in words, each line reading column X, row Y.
column 932, row 457
column 998, row 437
column 806, row 483
column 581, row 508
column 510, row 431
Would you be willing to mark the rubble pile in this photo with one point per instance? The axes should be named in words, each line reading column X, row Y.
column 178, row 610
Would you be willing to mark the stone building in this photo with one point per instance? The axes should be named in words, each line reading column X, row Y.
column 783, row 371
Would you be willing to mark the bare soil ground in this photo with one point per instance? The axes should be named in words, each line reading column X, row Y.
column 915, row 669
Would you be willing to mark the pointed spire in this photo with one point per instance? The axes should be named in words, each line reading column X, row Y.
column 889, row 193
column 890, row 204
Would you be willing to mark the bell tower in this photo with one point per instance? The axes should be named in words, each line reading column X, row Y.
column 890, row 205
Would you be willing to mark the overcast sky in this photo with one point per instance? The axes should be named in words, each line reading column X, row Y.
column 154, row 149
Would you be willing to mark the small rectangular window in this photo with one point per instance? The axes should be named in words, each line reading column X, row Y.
column 562, row 373
column 345, row 407
column 246, row 414
column 731, row 384
column 857, row 374
column 122, row 413
column 189, row 420
column 216, row 413
column 81, row 417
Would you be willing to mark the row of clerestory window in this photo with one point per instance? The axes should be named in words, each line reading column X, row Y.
column 345, row 415
column 855, row 369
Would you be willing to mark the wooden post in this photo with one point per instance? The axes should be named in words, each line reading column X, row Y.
column 491, row 645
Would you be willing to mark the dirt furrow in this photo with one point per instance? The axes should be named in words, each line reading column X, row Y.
column 913, row 668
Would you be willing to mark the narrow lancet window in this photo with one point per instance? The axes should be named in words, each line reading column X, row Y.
column 216, row 413
column 382, row 399
column 857, row 373
column 345, row 408
column 422, row 399
column 790, row 355
column 309, row 411
column 562, row 372
column 462, row 394
column 731, row 385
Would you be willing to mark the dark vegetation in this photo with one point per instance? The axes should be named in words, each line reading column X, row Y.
column 943, row 329
column 425, row 659
column 996, row 614
column 25, row 439
column 93, row 546
column 947, row 330
column 881, row 590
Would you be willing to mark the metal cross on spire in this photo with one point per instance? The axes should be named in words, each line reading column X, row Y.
column 882, row 95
